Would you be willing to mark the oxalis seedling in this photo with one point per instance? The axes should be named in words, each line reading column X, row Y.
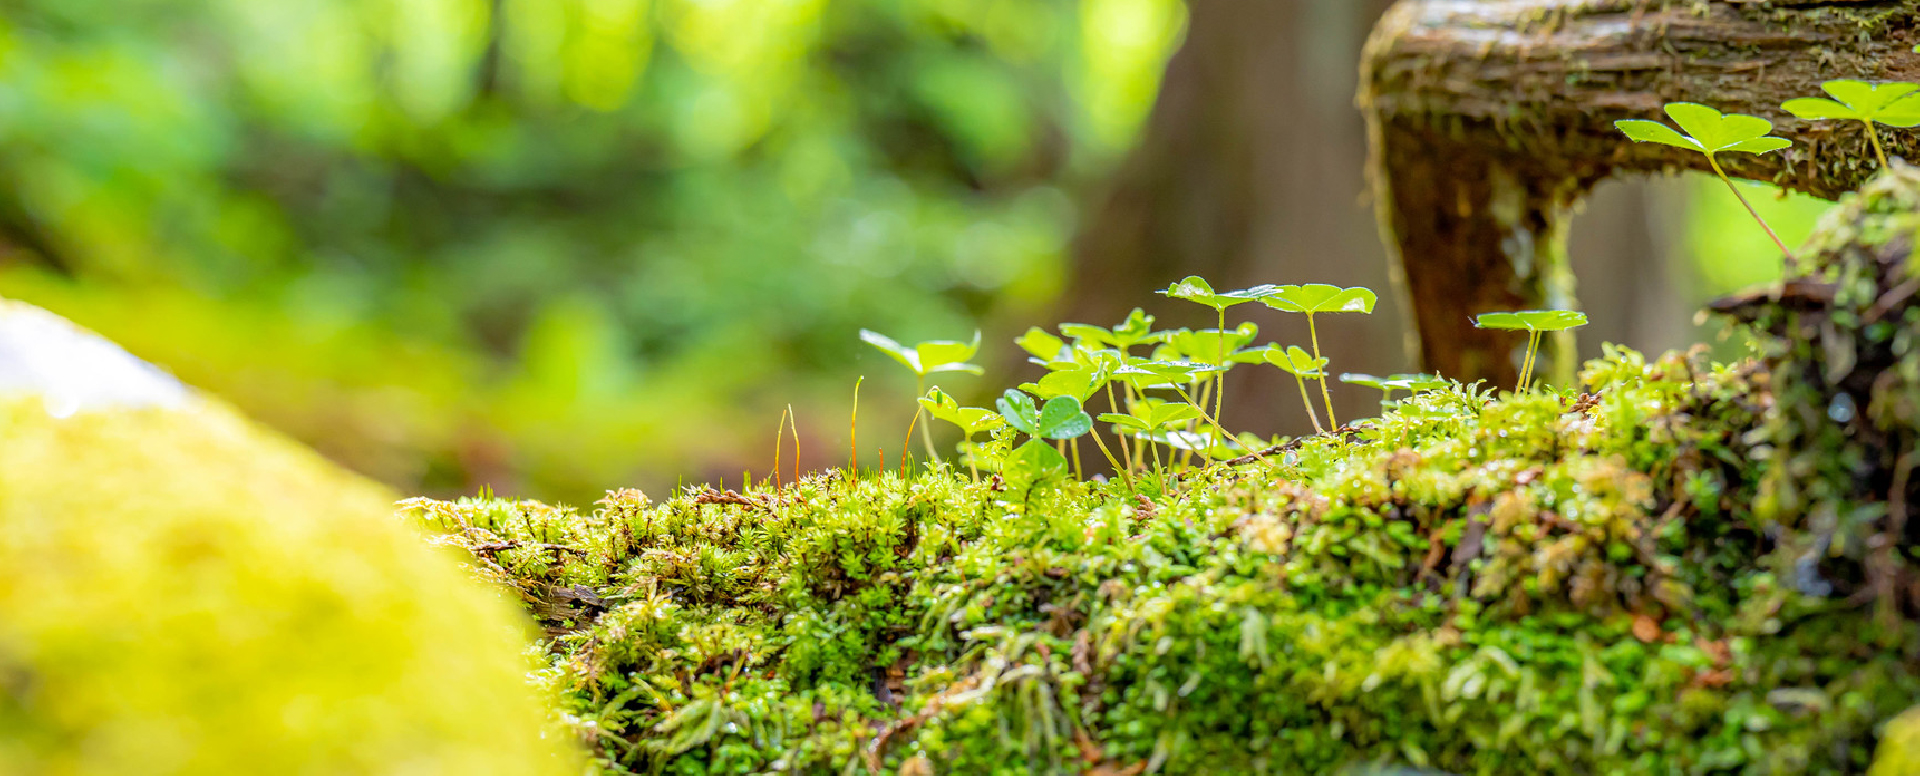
column 1893, row 104
column 926, row 358
column 971, row 420
column 1195, row 289
column 1711, row 132
column 1534, row 323
column 1061, row 418
column 1315, row 298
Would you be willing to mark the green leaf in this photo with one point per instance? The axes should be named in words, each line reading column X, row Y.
column 1079, row 383
column 1644, row 131
column 1894, row 103
column 1370, row 381
column 928, row 357
column 1035, row 462
column 1124, row 420
column 1295, row 360
column 1062, row 418
column 1018, row 410
column 1817, row 108
column 1087, row 335
column 899, row 352
column 1205, row 345
column 1040, row 344
column 971, row 420
column 1707, row 130
column 1320, row 298
column 1135, row 330
column 1141, row 373
column 1418, row 382
column 1195, row 289
column 1532, row 320
column 948, row 356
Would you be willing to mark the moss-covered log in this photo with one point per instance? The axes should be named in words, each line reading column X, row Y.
column 1490, row 120
column 1684, row 568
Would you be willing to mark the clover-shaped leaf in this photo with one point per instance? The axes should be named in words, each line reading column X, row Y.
column 1532, row 320
column 1207, row 345
column 1295, row 360
column 1151, row 414
column 1417, row 382
column 1366, row 380
column 1320, row 298
column 1141, row 373
column 971, row 420
column 1708, row 131
column 1136, row 329
column 1079, row 382
column 1087, row 335
column 1893, row 104
column 1060, row 418
column 1195, row 289
column 1040, row 344
column 928, row 357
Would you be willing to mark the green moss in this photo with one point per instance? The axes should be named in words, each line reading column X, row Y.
column 181, row 592
column 1481, row 585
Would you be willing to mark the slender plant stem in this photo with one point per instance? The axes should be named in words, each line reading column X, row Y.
column 1526, row 364
column 779, row 435
column 1874, row 135
column 853, row 431
column 1074, row 444
column 1314, row 335
column 1308, row 403
column 1124, row 449
column 793, row 424
column 1784, row 251
column 1126, row 475
column 925, row 434
column 1220, row 395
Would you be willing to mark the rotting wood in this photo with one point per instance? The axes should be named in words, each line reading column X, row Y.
column 1489, row 121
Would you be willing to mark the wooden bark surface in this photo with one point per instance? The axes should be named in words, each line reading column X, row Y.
column 1489, row 120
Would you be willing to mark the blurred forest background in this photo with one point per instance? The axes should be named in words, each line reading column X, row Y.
column 559, row 246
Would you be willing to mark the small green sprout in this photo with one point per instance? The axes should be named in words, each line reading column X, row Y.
column 1302, row 365
column 1893, row 104
column 931, row 357
column 1060, row 418
column 971, row 420
column 1535, row 323
column 1314, row 298
column 1711, row 132
column 1196, row 290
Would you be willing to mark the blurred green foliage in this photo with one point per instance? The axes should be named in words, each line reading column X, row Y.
column 551, row 244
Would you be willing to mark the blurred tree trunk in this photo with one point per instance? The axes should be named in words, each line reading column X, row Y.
column 1249, row 171
column 1490, row 122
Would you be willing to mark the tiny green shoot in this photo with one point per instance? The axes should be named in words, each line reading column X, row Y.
column 1711, row 132
column 1535, row 323
column 1314, row 298
column 926, row 358
column 971, row 420
column 1893, row 104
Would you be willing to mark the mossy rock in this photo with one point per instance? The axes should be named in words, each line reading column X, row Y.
column 182, row 592
column 1677, row 568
